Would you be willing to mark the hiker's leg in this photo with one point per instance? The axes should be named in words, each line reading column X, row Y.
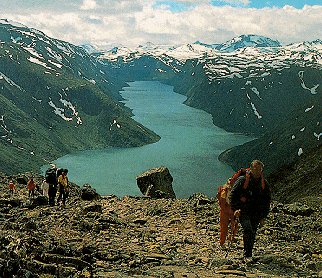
column 64, row 196
column 224, row 222
column 60, row 194
column 255, row 224
column 248, row 234
column 234, row 227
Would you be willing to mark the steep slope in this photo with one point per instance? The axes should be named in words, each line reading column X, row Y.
column 55, row 98
column 293, row 137
column 300, row 181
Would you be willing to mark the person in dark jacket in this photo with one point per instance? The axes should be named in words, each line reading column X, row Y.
column 250, row 200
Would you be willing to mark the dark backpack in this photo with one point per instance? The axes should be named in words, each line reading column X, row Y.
column 50, row 176
column 60, row 171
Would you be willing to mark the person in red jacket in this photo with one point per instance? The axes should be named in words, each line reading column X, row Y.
column 250, row 200
column 31, row 186
column 226, row 213
column 12, row 187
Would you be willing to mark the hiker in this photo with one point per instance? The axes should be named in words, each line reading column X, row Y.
column 31, row 186
column 12, row 187
column 51, row 179
column 63, row 187
column 44, row 188
column 226, row 213
column 250, row 200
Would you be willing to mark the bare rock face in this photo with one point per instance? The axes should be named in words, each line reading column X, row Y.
column 156, row 183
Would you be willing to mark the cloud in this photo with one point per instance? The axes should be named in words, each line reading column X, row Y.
column 138, row 21
column 235, row 2
column 88, row 5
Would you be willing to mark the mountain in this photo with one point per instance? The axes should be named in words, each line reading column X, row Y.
column 255, row 90
column 56, row 98
column 250, row 85
column 247, row 41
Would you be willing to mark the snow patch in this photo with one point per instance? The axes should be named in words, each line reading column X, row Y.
column 9, row 81
column 300, row 152
column 59, row 111
column 313, row 89
column 254, row 89
column 115, row 123
column 309, row 108
column 317, row 135
column 255, row 111
column 36, row 61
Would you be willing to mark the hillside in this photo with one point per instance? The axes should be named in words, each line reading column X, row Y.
column 143, row 237
column 55, row 99
column 300, row 181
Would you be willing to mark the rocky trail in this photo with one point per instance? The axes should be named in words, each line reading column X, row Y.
column 107, row 236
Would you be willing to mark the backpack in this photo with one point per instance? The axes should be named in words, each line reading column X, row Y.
column 50, row 176
column 59, row 172
column 223, row 193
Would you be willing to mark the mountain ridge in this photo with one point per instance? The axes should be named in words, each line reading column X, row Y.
column 66, row 96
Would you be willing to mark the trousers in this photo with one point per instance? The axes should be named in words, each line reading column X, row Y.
column 249, row 225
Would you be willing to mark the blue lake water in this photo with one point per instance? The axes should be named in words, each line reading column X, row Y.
column 189, row 147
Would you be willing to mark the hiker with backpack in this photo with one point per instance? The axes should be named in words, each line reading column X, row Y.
column 63, row 187
column 226, row 213
column 250, row 200
column 51, row 179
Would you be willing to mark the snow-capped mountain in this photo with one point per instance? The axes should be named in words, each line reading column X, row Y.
column 248, row 90
column 247, row 41
column 250, row 85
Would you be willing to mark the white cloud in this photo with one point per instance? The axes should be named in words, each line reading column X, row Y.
column 88, row 5
column 132, row 22
column 235, row 2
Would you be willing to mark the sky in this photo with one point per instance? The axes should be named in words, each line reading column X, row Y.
column 107, row 23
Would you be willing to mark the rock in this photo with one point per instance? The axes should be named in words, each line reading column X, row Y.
column 30, row 225
column 88, row 193
column 297, row 209
column 39, row 201
column 199, row 199
column 24, row 273
column 22, row 180
column 92, row 208
column 231, row 272
column 156, row 183
column 140, row 221
column 10, row 202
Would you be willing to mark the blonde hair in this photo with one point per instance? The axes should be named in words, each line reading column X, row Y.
column 257, row 162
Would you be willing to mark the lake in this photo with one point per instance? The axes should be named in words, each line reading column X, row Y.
column 189, row 147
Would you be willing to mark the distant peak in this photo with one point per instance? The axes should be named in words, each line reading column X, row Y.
column 248, row 40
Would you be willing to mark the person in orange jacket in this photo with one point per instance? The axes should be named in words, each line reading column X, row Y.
column 226, row 213
column 31, row 186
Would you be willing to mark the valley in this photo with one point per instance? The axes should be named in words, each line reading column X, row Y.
column 250, row 85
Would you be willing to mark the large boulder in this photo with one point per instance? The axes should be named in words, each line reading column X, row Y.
column 88, row 193
column 156, row 183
